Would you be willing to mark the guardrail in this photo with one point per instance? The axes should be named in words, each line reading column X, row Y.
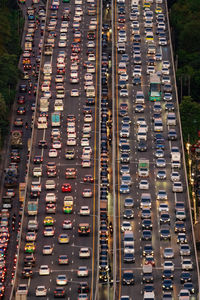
column 29, row 160
column 182, row 143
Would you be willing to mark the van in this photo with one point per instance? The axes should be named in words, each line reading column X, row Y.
column 171, row 119
column 128, row 238
column 158, row 125
column 139, row 97
column 47, row 68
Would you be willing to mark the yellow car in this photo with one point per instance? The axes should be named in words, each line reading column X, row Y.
column 158, row 10
column 63, row 238
column 147, row 5
column 48, row 221
column 29, row 247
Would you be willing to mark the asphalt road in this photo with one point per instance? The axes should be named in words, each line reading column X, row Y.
column 71, row 106
column 136, row 291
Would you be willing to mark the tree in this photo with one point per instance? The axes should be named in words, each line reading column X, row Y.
column 190, row 119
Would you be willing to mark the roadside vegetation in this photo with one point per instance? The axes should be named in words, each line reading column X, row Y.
column 10, row 24
column 185, row 23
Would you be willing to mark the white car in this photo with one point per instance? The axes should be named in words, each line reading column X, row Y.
column 40, row 291
column 53, row 153
column 143, row 184
column 126, row 226
column 186, row 264
column 177, row 187
column 74, row 67
column 44, row 270
column 50, row 184
column 47, row 249
column 49, row 231
column 87, row 193
column 63, row 37
column 85, row 142
column 74, row 93
column 59, row 79
column 84, row 252
column 86, row 163
column 90, row 44
column 84, row 211
column 61, row 279
column 88, row 118
column 31, row 236
column 50, row 197
column 163, row 207
column 62, row 44
column 184, row 294
column 91, row 57
column 88, row 76
column 175, row 176
column 168, row 265
column 71, row 142
column 82, row 271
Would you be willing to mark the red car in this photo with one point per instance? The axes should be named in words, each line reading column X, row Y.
column 66, row 187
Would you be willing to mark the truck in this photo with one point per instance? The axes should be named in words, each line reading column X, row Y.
column 175, row 158
column 55, row 119
column 16, row 139
column 143, row 167
column 11, row 175
column 32, row 207
column 103, row 209
column 147, row 273
column 22, row 292
column 68, row 204
column 44, row 104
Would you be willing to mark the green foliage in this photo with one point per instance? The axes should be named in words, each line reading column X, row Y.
column 190, row 119
column 185, row 20
column 10, row 50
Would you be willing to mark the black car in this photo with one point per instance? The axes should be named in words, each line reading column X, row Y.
column 38, row 159
column 129, row 257
column 167, row 284
column 59, row 292
column 167, row 274
column 128, row 214
column 128, row 277
column 125, row 158
column 27, row 272
column 23, row 88
column 83, row 287
column 185, row 277
column 146, row 224
column 42, row 144
column 142, row 146
column 172, row 135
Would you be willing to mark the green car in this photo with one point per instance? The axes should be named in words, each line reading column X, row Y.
column 66, row 1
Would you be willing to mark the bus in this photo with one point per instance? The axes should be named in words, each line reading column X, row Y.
column 22, row 187
column 155, row 88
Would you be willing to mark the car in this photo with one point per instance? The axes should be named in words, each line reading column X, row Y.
column 168, row 265
column 53, row 153
column 124, row 189
column 160, row 162
column 82, row 271
column 29, row 247
column 167, row 284
column 139, row 108
column 143, row 184
column 47, row 249
column 59, row 292
column 185, row 250
column 66, row 187
column 84, row 252
column 87, row 193
column 48, row 221
column 61, row 279
column 63, row 238
column 165, row 232
column 88, row 178
column 126, row 226
column 162, row 195
column 128, row 202
column 161, row 174
column 185, row 277
column 67, row 224
column 74, row 93
column 40, row 290
column 148, row 250
column 84, row 211
column 44, row 270
column 27, row 272
column 168, row 253
column 49, row 231
column 128, row 214
column 184, row 294
column 63, row 259
column 186, row 264
column 128, row 277
column 50, row 197
column 177, row 187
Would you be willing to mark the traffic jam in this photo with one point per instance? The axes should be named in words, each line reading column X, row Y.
column 156, row 255
column 58, row 212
